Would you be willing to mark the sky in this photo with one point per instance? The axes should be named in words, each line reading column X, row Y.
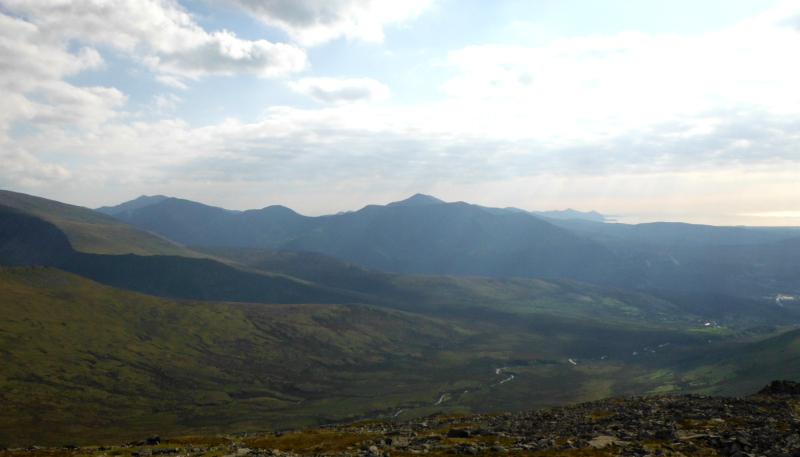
column 667, row 110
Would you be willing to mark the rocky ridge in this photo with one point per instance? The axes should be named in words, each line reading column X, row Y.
column 764, row 424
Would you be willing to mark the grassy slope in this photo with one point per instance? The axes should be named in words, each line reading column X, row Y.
column 744, row 367
column 87, row 360
column 86, row 363
column 26, row 240
column 93, row 232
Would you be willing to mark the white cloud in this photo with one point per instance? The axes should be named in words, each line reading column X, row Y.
column 171, row 80
column 633, row 79
column 330, row 90
column 699, row 113
column 31, row 86
column 223, row 53
column 22, row 168
column 49, row 40
column 163, row 103
column 27, row 57
column 159, row 32
column 312, row 22
column 416, row 149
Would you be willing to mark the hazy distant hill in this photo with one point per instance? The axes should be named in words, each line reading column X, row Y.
column 456, row 294
column 673, row 233
column 567, row 214
column 749, row 261
column 26, row 240
column 423, row 235
column 455, row 238
column 570, row 213
column 189, row 222
column 419, row 235
column 272, row 277
column 131, row 205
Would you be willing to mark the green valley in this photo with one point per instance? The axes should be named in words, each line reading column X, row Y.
column 98, row 347
column 87, row 362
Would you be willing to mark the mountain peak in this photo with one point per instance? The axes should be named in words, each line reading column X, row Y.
column 417, row 200
column 131, row 205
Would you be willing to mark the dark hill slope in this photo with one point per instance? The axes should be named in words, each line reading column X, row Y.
column 27, row 240
column 205, row 279
column 90, row 231
column 201, row 279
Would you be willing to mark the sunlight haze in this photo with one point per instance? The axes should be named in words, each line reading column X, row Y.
column 643, row 111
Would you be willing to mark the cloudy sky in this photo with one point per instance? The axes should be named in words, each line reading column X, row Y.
column 660, row 110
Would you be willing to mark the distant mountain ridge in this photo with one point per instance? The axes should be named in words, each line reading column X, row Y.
column 570, row 213
column 415, row 200
column 424, row 235
column 567, row 214
column 421, row 235
column 131, row 205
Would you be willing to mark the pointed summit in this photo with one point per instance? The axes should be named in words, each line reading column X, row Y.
column 417, row 200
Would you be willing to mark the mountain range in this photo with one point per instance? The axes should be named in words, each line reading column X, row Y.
column 177, row 325
column 424, row 235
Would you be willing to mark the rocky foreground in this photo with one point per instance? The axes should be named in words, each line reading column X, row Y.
column 765, row 424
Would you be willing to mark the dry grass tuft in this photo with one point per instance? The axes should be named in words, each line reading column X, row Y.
column 198, row 440
column 316, row 441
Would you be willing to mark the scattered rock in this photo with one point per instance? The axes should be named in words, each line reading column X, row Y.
column 766, row 424
column 152, row 440
column 602, row 441
column 781, row 388
column 458, row 433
